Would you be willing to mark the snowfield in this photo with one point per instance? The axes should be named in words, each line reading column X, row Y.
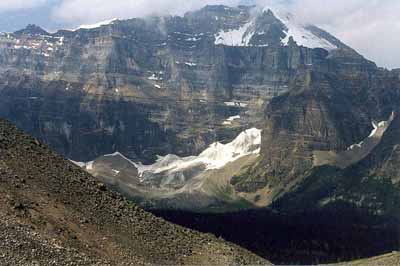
column 296, row 30
column 216, row 156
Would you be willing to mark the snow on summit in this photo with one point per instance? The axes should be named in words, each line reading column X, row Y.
column 300, row 34
column 241, row 36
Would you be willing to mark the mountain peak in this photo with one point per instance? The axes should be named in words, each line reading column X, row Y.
column 268, row 11
column 32, row 30
column 274, row 26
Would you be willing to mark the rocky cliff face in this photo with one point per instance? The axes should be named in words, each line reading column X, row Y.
column 384, row 159
column 174, row 85
column 369, row 184
column 151, row 86
column 325, row 119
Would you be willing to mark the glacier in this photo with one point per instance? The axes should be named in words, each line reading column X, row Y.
column 171, row 166
column 216, row 156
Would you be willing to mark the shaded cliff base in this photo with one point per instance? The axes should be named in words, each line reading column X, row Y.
column 319, row 237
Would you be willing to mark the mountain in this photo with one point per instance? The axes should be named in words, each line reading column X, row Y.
column 54, row 213
column 31, row 30
column 140, row 75
column 169, row 87
column 225, row 118
column 123, row 85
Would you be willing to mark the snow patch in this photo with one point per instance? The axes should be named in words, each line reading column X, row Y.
column 231, row 119
column 116, row 172
column 190, row 64
column 378, row 130
column 60, row 41
column 79, row 164
column 89, row 166
column 236, row 104
column 356, row 146
column 235, row 37
column 96, row 25
column 193, row 39
column 155, row 77
column 86, row 166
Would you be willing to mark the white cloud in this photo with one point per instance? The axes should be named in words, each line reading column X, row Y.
column 9, row 5
column 371, row 27
column 90, row 11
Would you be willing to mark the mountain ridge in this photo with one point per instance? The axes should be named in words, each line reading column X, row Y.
column 157, row 102
column 137, row 77
column 248, row 14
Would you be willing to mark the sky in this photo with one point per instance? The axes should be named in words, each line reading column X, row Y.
column 372, row 27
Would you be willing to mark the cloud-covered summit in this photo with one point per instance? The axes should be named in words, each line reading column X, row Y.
column 371, row 27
